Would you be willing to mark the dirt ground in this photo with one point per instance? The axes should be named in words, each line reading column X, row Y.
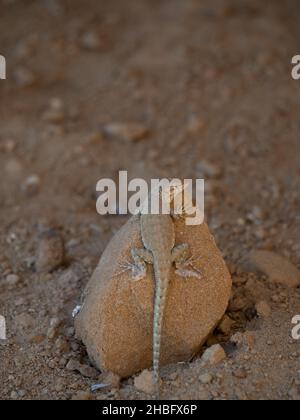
column 210, row 84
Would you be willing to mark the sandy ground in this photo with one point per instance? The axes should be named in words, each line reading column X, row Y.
column 211, row 83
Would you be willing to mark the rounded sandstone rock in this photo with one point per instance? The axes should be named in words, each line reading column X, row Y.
column 115, row 321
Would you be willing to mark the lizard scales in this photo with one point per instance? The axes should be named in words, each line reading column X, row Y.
column 158, row 236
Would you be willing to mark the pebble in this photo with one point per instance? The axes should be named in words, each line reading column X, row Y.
column 245, row 339
column 240, row 373
column 24, row 320
column 126, row 131
column 91, row 40
column 24, row 77
column 206, row 378
column 9, row 146
column 294, row 393
column 61, row 345
column 12, row 280
column 263, row 309
column 37, row 339
column 82, row 396
column 111, row 379
column 31, row 185
column 84, row 370
column 226, row 325
column 214, row 355
column 55, row 114
column 278, row 269
column 144, row 382
column 50, row 251
column 206, row 169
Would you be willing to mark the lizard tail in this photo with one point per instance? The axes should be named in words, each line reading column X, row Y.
column 159, row 307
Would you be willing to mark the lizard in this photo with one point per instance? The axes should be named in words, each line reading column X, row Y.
column 158, row 238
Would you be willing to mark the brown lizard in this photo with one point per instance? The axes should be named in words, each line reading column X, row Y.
column 158, row 237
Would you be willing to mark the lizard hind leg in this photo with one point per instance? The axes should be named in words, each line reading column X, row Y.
column 184, row 262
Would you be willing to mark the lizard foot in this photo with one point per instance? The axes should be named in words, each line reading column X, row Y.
column 185, row 262
column 138, row 267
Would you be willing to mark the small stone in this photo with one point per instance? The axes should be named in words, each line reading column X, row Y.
column 88, row 371
column 206, row 378
column 24, row 320
column 55, row 114
column 50, row 252
column 61, row 345
column 243, row 339
column 9, row 146
column 277, row 268
column 37, row 339
column 14, row 395
column 31, row 185
column 73, row 365
column 24, row 77
column 207, row 169
column 214, row 355
column 126, row 131
column 91, row 40
column 263, row 309
column 110, row 379
column 240, row 373
column 195, row 124
column 144, row 382
column 82, row 396
column 294, row 393
column 84, row 370
column 226, row 325
column 25, row 47
column 12, row 280
column 52, row 333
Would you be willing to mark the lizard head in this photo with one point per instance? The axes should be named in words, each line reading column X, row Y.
column 171, row 191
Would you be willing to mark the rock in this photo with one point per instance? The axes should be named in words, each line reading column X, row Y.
column 82, row 396
column 72, row 365
column 24, row 320
column 126, row 131
column 226, row 325
column 9, row 146
column 62, row 346
column 88, row 371
column 84, row 370
column 294, row 393
column 31, row 185
column 213, row 355
column 91, row 40
column 245, row 339
column 144, row 382
column 263, row 309
column 278, row 269
column 115, row 322
column 50, row 252
column 240, row 373
column 206, row 378
column 207, row 169
column 24, row 77
column 37, row 339
column 56, row 113
column 12, row 280
column 111, row 379
column 53, row 330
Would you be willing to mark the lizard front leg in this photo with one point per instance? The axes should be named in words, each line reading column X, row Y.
column 141, row 257
column 181, row 256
